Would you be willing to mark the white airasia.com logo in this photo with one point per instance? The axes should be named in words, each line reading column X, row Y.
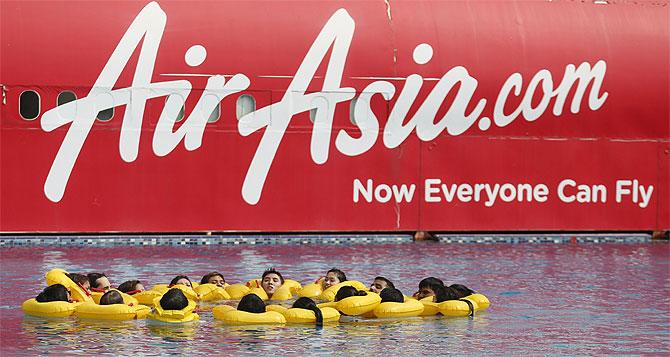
column 337, row 34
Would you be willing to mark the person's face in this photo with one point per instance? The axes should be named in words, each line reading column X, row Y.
column 378, row 285
column 139, row 287
column 270, row 283
column 183, row 281
column 69, row 295
column 424, row 292
column 330, row 280
column 216, row 280
column 102, row 283
column 87, row 285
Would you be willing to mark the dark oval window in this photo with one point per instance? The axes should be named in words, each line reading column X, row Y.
column 245, row 104
column 65, row 97
column 180, row 115
column 29, row 104
column 106, row 115
column 216, row 113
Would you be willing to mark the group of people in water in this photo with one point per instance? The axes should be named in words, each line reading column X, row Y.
column 271, row 280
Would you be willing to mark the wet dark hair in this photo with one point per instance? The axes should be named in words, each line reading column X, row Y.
column 348, row 291
column 205, row 279
column 389, row 284
column 93, row 277
column 444, row 293
column 391, row 295
column 430, row 282
column 128, row 286
column 174, row 299
column 309, row 304
column 251, row 303
column 339, row 273
column 461, row 290
column 179, row 277
column 56, row 292
column 111, row 297
column 80, row 279
column 272, row 271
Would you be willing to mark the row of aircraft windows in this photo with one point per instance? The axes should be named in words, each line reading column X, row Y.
column 30, row 106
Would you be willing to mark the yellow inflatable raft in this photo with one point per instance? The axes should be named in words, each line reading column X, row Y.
column 211, row 292
column 409, row 308
column 355, row 305
column 48, row 309
column 89, row 310
column 127, row 299
column 173, row 316
column 231, row 316
column 59, row 276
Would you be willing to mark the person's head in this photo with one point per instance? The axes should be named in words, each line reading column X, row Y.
column 427, row 287
column 181, row 280
column 215, row 278
column 99, row 281
column 461, row 290
column 347, row 291
column 444, row 293
column 333, row 276
column 251, row 303
column 81, row 280
column 309, row 304
column 111, row 297
column 174, row 299
column 56, row 292
column 131, row 287
column 380, row 283
column 271, row 280
column 391, row 295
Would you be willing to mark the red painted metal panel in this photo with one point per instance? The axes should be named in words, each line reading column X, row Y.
column 50, row 47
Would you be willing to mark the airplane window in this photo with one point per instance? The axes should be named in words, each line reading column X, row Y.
column 317, row 104
column 106, row 115
column 65, row 97
column 245, row 105
column 352, row 105
column 180, row 116
column 216, row 113
column 29, row 105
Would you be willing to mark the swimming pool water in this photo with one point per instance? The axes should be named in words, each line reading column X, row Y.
column 562, row 299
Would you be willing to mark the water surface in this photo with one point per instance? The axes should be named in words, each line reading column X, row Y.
column 561, row 299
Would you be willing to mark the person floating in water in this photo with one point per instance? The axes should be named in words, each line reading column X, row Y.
column 309, row 304
column 111, row 297
column 99, row 282
column 271, row 280
column 173, row 299
column 391, row 295
column 131, row 287
column 251, row 303
column 180, row 280
column 333, row 276
column 380, row 283
column 215, row 278
column 56, row 292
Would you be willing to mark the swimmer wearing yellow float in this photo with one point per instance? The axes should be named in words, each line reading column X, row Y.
column 380, row 283
column 212, row 288
column 53, row 301
column 174, row 307
column 215, row 278
column 394, row 305
column 112, row 307
column 60, row 276
column 250, row 311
